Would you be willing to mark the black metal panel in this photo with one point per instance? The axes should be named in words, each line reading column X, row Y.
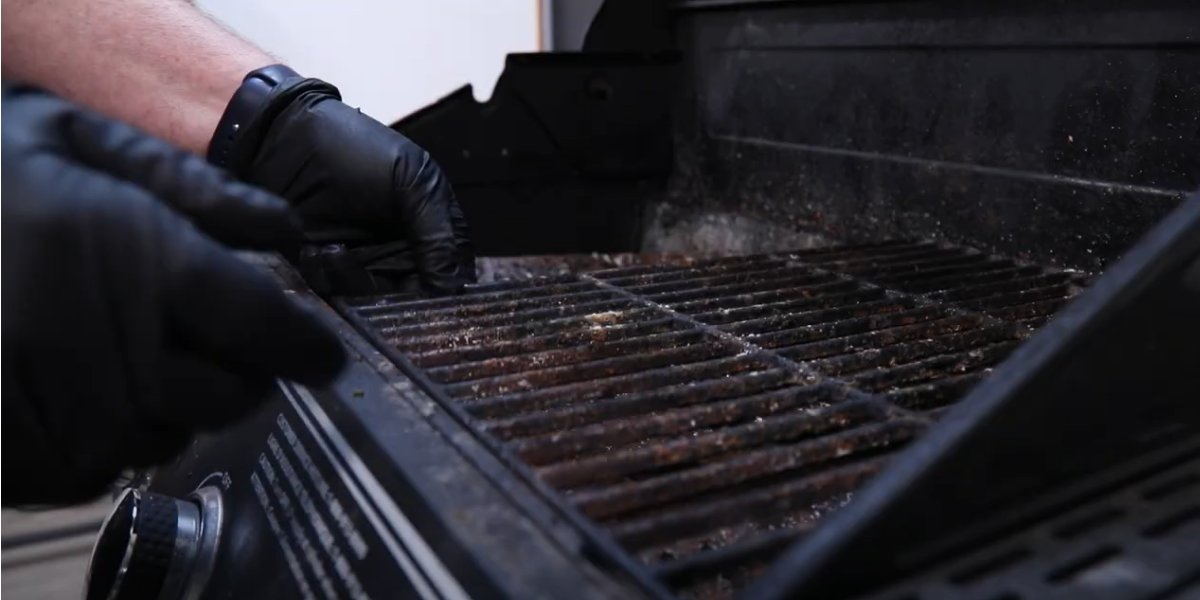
column 1111, row 380
column 1058, row 131
column 564, row 155
column 1140, row 540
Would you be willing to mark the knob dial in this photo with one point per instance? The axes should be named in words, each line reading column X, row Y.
column 153, row 546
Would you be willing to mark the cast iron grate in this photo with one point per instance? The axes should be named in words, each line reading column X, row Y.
column 709, row 415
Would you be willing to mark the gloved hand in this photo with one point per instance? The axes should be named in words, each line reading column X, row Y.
column 347, row 173
column 127, row 325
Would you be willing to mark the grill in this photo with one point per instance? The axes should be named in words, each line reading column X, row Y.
column 708, row 414
column 695, row 363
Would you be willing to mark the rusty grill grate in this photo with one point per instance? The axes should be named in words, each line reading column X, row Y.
column 708, row 415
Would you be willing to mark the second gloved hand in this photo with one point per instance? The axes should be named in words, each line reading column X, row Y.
column 345, row 171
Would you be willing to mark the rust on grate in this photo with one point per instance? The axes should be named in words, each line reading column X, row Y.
column 708, row 412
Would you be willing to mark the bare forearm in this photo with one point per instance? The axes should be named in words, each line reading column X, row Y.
column 160, row 65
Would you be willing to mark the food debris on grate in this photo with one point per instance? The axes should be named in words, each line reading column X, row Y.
column 707, row 413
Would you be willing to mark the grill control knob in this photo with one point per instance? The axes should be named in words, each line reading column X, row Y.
column 153, row 546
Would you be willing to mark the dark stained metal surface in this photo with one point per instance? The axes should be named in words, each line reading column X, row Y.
column 507, row 268
column 707, row 413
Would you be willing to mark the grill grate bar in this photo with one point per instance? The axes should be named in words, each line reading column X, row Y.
column 935, row 368
column 598, row 308
column 918, row 278
column 917, row 267
column 935, row 395
column 899, row 354
column 824, row 331
column 767, row 271
column 667, row 398
column 881, row 338
column 958, row 282
column 703, row 350
column 767, row 503
column 914, row 254
column 1030, row 310
column 497, row 292
column 816, row 317
column 1033, row 323
column 817, row 301
column 571, row 338
column 844, row 253
column 1025, row 296
column 472, row 337
column 806, row 278
column 759, row 298
column 484, row 289
column 508, row 405
column 473, row 311
column 623, row 498
column 527, row 362
column 613, row 435
column 684, row 451
column 1002, row 287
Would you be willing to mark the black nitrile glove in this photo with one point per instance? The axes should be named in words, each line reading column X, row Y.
column 127, row 325
column 348, row 173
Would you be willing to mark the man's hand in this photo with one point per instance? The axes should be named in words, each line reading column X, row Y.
column 127, row 324
column 347, row 172
column 168, row 69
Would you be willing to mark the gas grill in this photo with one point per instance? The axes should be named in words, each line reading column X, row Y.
column 780, row 300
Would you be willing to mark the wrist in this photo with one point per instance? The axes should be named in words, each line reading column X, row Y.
column 246, row 103
column 264, row 118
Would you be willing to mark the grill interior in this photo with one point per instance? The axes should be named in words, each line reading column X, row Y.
column 706, row 415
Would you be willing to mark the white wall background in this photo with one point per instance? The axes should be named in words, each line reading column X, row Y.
column 388, row 57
